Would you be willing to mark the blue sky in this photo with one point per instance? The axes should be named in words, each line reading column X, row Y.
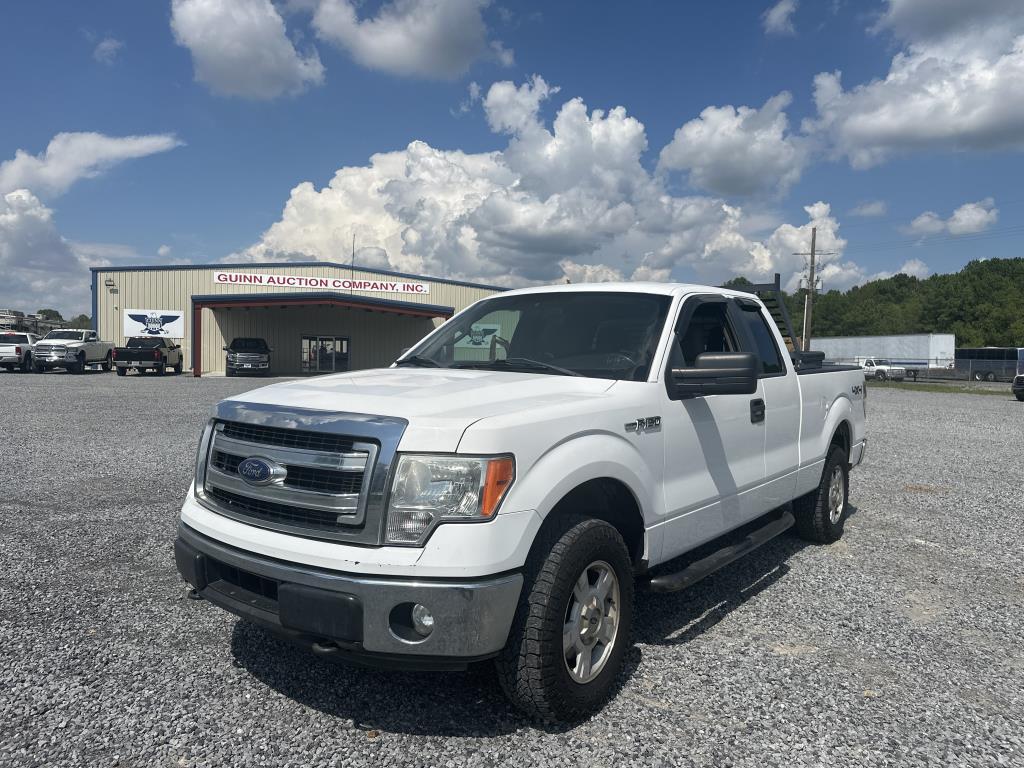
column 239, row 107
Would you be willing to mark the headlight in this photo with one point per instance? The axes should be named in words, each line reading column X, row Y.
column 428, row 490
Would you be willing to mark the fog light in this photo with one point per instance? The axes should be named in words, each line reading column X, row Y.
column 422, row 620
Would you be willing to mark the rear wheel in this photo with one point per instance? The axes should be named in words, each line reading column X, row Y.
column 122, row 371
column 108, row 362
column 881, row 375
column 990, row 376
column 177, row 367
column 572, row 627
column 26, row 363
column 820, row 514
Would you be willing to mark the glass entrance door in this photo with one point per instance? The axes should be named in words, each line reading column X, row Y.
column 324, row 354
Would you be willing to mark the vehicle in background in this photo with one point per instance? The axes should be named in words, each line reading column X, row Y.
column 469, row 504
column 924, row 369
column 881, row 369
column 247, row 355
column 148, row 353
column 16, row 350
column 1018, row 387
column 989, row 363
column 72, row 349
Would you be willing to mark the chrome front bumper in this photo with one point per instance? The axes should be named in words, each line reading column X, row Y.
column 353, row 616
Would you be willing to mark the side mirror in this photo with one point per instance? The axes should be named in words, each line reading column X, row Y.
column 715, row 373
column 225, row 349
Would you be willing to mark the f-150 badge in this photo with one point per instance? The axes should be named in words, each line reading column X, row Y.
column 643, row 424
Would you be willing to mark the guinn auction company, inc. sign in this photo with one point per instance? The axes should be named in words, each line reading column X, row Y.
column 270, row 280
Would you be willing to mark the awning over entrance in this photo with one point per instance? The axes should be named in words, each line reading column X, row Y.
column 298, row 300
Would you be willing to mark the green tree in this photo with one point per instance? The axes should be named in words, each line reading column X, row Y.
column 50, row 314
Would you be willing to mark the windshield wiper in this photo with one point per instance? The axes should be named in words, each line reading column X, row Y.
column 518, row 363
column 418, row 361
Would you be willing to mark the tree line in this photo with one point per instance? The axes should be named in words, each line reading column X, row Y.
column 982, row 304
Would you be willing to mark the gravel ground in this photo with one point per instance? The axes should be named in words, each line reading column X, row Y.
column 900, row 645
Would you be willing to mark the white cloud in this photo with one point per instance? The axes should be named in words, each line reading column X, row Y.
column 968, row 219
column 419, row 38
column 107, row 50
column 40, row 267
column 738, row 151
column 870, row 209
column 241, row 48
column 955, row 86
column 778, row 20
column 913, row 267
column 73, row 156
column 566, row 199
column 163, row 251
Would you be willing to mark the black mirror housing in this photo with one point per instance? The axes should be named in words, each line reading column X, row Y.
column 715, row 373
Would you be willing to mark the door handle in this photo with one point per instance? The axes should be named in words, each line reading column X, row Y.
column 756, row 411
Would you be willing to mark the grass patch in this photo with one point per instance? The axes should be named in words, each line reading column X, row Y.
column 956, row 389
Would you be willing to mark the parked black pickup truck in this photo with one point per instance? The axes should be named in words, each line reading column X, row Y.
column 146, row 353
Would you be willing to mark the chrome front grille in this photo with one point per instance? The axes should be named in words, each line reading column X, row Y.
column 320, row 486
column 50, row 350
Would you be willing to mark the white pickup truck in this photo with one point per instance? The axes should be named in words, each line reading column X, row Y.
column 880, row 369
column 500, row 490
column 72, row 349
column 16, row 350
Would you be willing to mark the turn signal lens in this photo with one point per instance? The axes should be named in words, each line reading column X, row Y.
column 499, row 478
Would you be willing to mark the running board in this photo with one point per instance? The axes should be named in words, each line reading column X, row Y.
column 691, row 574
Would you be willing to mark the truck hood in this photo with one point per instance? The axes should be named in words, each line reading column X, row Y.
column 439, row 404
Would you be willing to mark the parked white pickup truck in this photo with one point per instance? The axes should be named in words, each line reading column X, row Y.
column 880, row 369
column 500, row 498
column 16, row 350
column 72, row 349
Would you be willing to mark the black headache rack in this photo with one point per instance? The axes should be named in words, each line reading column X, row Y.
column 771, row 296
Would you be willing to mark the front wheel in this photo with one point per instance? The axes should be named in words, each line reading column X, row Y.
column 79, row 365
column 820, row 514
column 881, row 375
column 177, row 368
column 572, row 626
column 1020, row 396
column 122, row 371
column 26, row 364
column 976, row 376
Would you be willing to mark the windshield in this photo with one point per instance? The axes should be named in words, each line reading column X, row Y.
column 248, row 345
column 598, row 334
column 13, row 338
column 143, row 343
column 72, row 335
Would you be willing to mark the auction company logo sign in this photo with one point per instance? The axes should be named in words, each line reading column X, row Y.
column 270, row 280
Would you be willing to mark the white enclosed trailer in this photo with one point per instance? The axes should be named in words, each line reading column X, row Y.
column 919, row 350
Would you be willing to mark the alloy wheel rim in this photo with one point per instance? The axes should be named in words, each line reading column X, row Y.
column 836, row 497
column 591, row 624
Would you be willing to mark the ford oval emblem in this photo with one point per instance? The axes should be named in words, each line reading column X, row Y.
column 259, row 471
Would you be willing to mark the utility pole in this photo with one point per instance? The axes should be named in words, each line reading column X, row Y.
column 805, row 342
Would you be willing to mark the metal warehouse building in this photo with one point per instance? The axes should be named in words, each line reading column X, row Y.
column 318, row 317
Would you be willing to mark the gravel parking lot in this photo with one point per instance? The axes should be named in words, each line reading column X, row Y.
column 900, row 645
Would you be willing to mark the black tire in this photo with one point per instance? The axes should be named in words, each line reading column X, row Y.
column 178, row 367
column 532, row 668
column 161, row 369
column 814, row 521
column 990, row 376
column 121, row 371
column 976, row 375
column 108, row 362
column 79, row 365
column 1020, row 396
column 26, row 363
column 37, row 368
column 881, row 375
column 228, row 372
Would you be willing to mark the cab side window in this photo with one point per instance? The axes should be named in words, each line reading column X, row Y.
column 764, row 341
column 708, row 330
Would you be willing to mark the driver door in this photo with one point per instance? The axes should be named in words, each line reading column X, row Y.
column 714, row 444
